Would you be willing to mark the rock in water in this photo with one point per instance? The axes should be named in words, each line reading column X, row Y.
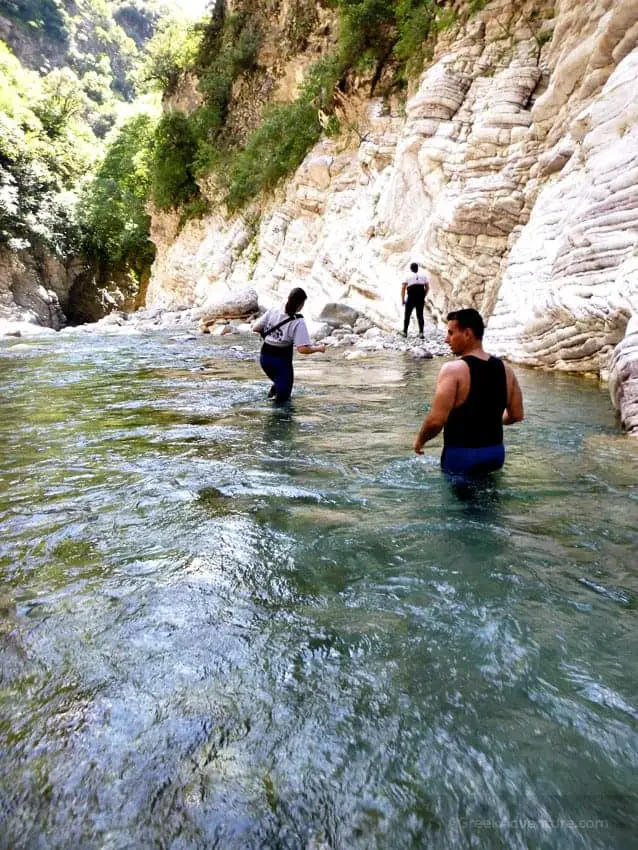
column 336, row 314
column 233, row 305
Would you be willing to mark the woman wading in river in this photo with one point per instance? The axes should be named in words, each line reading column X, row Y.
column 282, row 331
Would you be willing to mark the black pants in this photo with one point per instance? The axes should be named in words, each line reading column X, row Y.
column 277, row 364
column 415, row 300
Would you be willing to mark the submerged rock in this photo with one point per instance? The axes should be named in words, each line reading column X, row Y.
column 422, row 354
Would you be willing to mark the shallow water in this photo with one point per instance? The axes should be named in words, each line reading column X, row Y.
column 225, row 625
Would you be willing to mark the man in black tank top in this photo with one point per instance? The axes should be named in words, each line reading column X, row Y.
column 475, row 396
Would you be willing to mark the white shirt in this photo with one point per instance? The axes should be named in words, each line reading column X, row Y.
column 418, row 280
column 292, row 333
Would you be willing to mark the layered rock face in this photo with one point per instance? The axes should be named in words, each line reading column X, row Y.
column 567, row 291
column 37, row 288
column 511, row 177
column 33, row 291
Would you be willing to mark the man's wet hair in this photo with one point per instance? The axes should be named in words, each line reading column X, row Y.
column 468, row 319
column 295, row 302
column 414, row 267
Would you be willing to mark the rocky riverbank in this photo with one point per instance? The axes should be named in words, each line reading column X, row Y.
column 354, row 340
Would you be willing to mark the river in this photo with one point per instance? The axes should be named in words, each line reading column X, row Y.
column 224, row 625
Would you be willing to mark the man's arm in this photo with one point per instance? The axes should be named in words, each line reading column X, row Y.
column 514, row 410
column 404, row 289
column 442, row 405
column 258, row 325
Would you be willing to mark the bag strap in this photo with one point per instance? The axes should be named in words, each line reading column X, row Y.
column 264, row 333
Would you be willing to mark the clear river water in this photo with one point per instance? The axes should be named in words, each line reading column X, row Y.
column 225, row 625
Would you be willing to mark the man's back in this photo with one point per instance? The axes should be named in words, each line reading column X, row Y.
column 477, row 417
column 417, row 280
column 474, row 397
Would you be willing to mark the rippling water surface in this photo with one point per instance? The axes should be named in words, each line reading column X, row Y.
column 224, row 625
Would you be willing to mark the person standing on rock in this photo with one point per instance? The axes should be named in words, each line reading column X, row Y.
column 282, row 331
column 413, row 292
column 475, row 396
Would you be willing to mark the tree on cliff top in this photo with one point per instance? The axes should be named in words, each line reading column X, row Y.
column 113, row 203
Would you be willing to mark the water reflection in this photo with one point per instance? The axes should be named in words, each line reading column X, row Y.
column 280, row 423
column 480, row 495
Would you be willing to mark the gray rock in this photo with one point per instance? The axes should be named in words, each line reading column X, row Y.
column 363, row 325
column 114, row 318
column 318, row 329
column 422, row 354
column 234, row 305
column 623, row 378
column 336, row 314
column 371, row 332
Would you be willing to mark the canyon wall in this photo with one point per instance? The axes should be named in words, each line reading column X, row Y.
column 510, row 174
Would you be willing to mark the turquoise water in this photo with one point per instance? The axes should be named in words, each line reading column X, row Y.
column 224, row 625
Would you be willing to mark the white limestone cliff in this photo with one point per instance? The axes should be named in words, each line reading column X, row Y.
column 512, row 177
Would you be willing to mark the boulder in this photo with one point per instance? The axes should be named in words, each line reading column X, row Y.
column 317, row 330
column 336, row 314
column 233, row 305
column 362, row 325
column 371, row 333
column 114, row 318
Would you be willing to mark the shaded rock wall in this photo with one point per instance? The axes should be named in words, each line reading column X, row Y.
column 38, row 288
column 33, row 289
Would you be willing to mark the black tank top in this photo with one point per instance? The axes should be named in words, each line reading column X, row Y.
column 479, row 420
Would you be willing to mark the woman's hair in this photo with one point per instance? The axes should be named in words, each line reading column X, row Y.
column 295, row 300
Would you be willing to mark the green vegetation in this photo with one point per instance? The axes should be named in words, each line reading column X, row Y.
column 382, row 41
column 59, row 191
column 476, row 6
column 45, row 15
column 45, row 148
column 275, row 149
column 379, row 40
column 172, row 50
column 544, row 36
column 228, row 48
column 58, row 145
column 173, row 180
column 113, row 204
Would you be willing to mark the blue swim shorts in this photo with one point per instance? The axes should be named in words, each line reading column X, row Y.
column 457, row 460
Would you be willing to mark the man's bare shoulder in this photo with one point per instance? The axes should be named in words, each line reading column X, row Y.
column 508, row 370
column 454, row 368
